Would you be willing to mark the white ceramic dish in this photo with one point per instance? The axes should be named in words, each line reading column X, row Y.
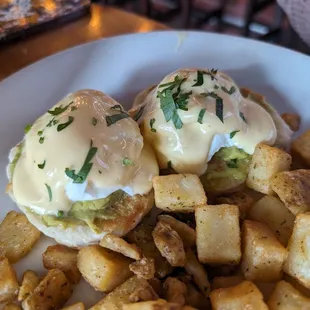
column 122, row 66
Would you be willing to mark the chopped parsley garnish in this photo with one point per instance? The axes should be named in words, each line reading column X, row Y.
column 172, row 99
column 169, row 164
column 232, row 163
column 94, row 121
column 41, row 140
column 230, row 91
column 50, row 195
column 243, row 117
column 212, row 73
column 40, row 132
column 139, row 114
column 62, row 126
column 152, row 121
column 128, row 162
column 81, row 176
column 59, row 110
column 199, row 80
column 41, row 166
column 219, row 107
column 27, row 128
column 201, row 115
column 99, row 171
column 73, row 108
column 112, row 119
column 60, row 213
column 216, row 87
column 52, row 122
column 233, row 133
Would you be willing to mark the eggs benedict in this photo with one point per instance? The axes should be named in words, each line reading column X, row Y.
column 198, row 121
column 83, row 170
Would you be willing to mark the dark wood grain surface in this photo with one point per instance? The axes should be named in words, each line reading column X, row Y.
column 102, row 22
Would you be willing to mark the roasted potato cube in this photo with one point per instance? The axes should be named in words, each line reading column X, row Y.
column 11, row 306
column 242, row 296
column 30, row 281
column 142, row 236
column 178, row 192
column 123, row 294
column 169, row 244
column 292, row 120
column 119, row 245
column 144, row 268
column 63, row 258
column 266, row 162
column 240, row 199
column 293, row 188
column 8, row 281
column 159, row 304
column 224, row 282
column 175, row 291
column 52, row 292
column 103, row 269
column 77, row 306
column 17, row 236
column 301, row 148
column 218, row 234
column 187, row 234
column 297, row 263
column 271, row 211
column 295, row 283
column 263, row 255
column 194, row 268
column 285, row 296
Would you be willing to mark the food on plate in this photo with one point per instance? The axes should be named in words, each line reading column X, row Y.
column 176, row 291
column 62, row 258
column 199, row 121
column 29, row 282
column 266, row 162
column 285, row 296
column 51, row 293
column 17, row 236
column 224, row 282
column 169, row 244
column 8, row 281
column 301, row 148
column 241, row 199
column 103, row 269
column 293, row 188
column 242, row 296
column 218, row 234
column 77, row 306
column 292, row 120
column 159, row 304
column 143, row 268
column 119, row 245
column 83, row 170
column 297, row 263
column 272, row 211
column 263, row 255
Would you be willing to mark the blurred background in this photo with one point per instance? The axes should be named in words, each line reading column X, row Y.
column 259, row 19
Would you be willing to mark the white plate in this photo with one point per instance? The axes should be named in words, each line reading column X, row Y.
column 122, row 66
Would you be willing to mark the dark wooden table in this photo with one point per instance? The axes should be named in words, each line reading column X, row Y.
column 102, row 22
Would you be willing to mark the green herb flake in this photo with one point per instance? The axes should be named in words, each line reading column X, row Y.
column 62, row 126
column 50, row 195
column 232, row 163
column 99, row 171
column 27, row 128
column 59, row 110
column 216, row 87
column 201, row 115
column 41, row 166
column 152, row 121
column 52, row 122
column 112, row 119
column 94, row 121
column 60, row 213
column 219, row 107
column 199, row 80
column 41, row 140
column 40, row 132
column 230, row 91
column 128, row 162
column 74, row 108
column 243, row 117
column 233, row 133
column 81, row 176
column 169, row 164
column 139, row 114
column 212, row 73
